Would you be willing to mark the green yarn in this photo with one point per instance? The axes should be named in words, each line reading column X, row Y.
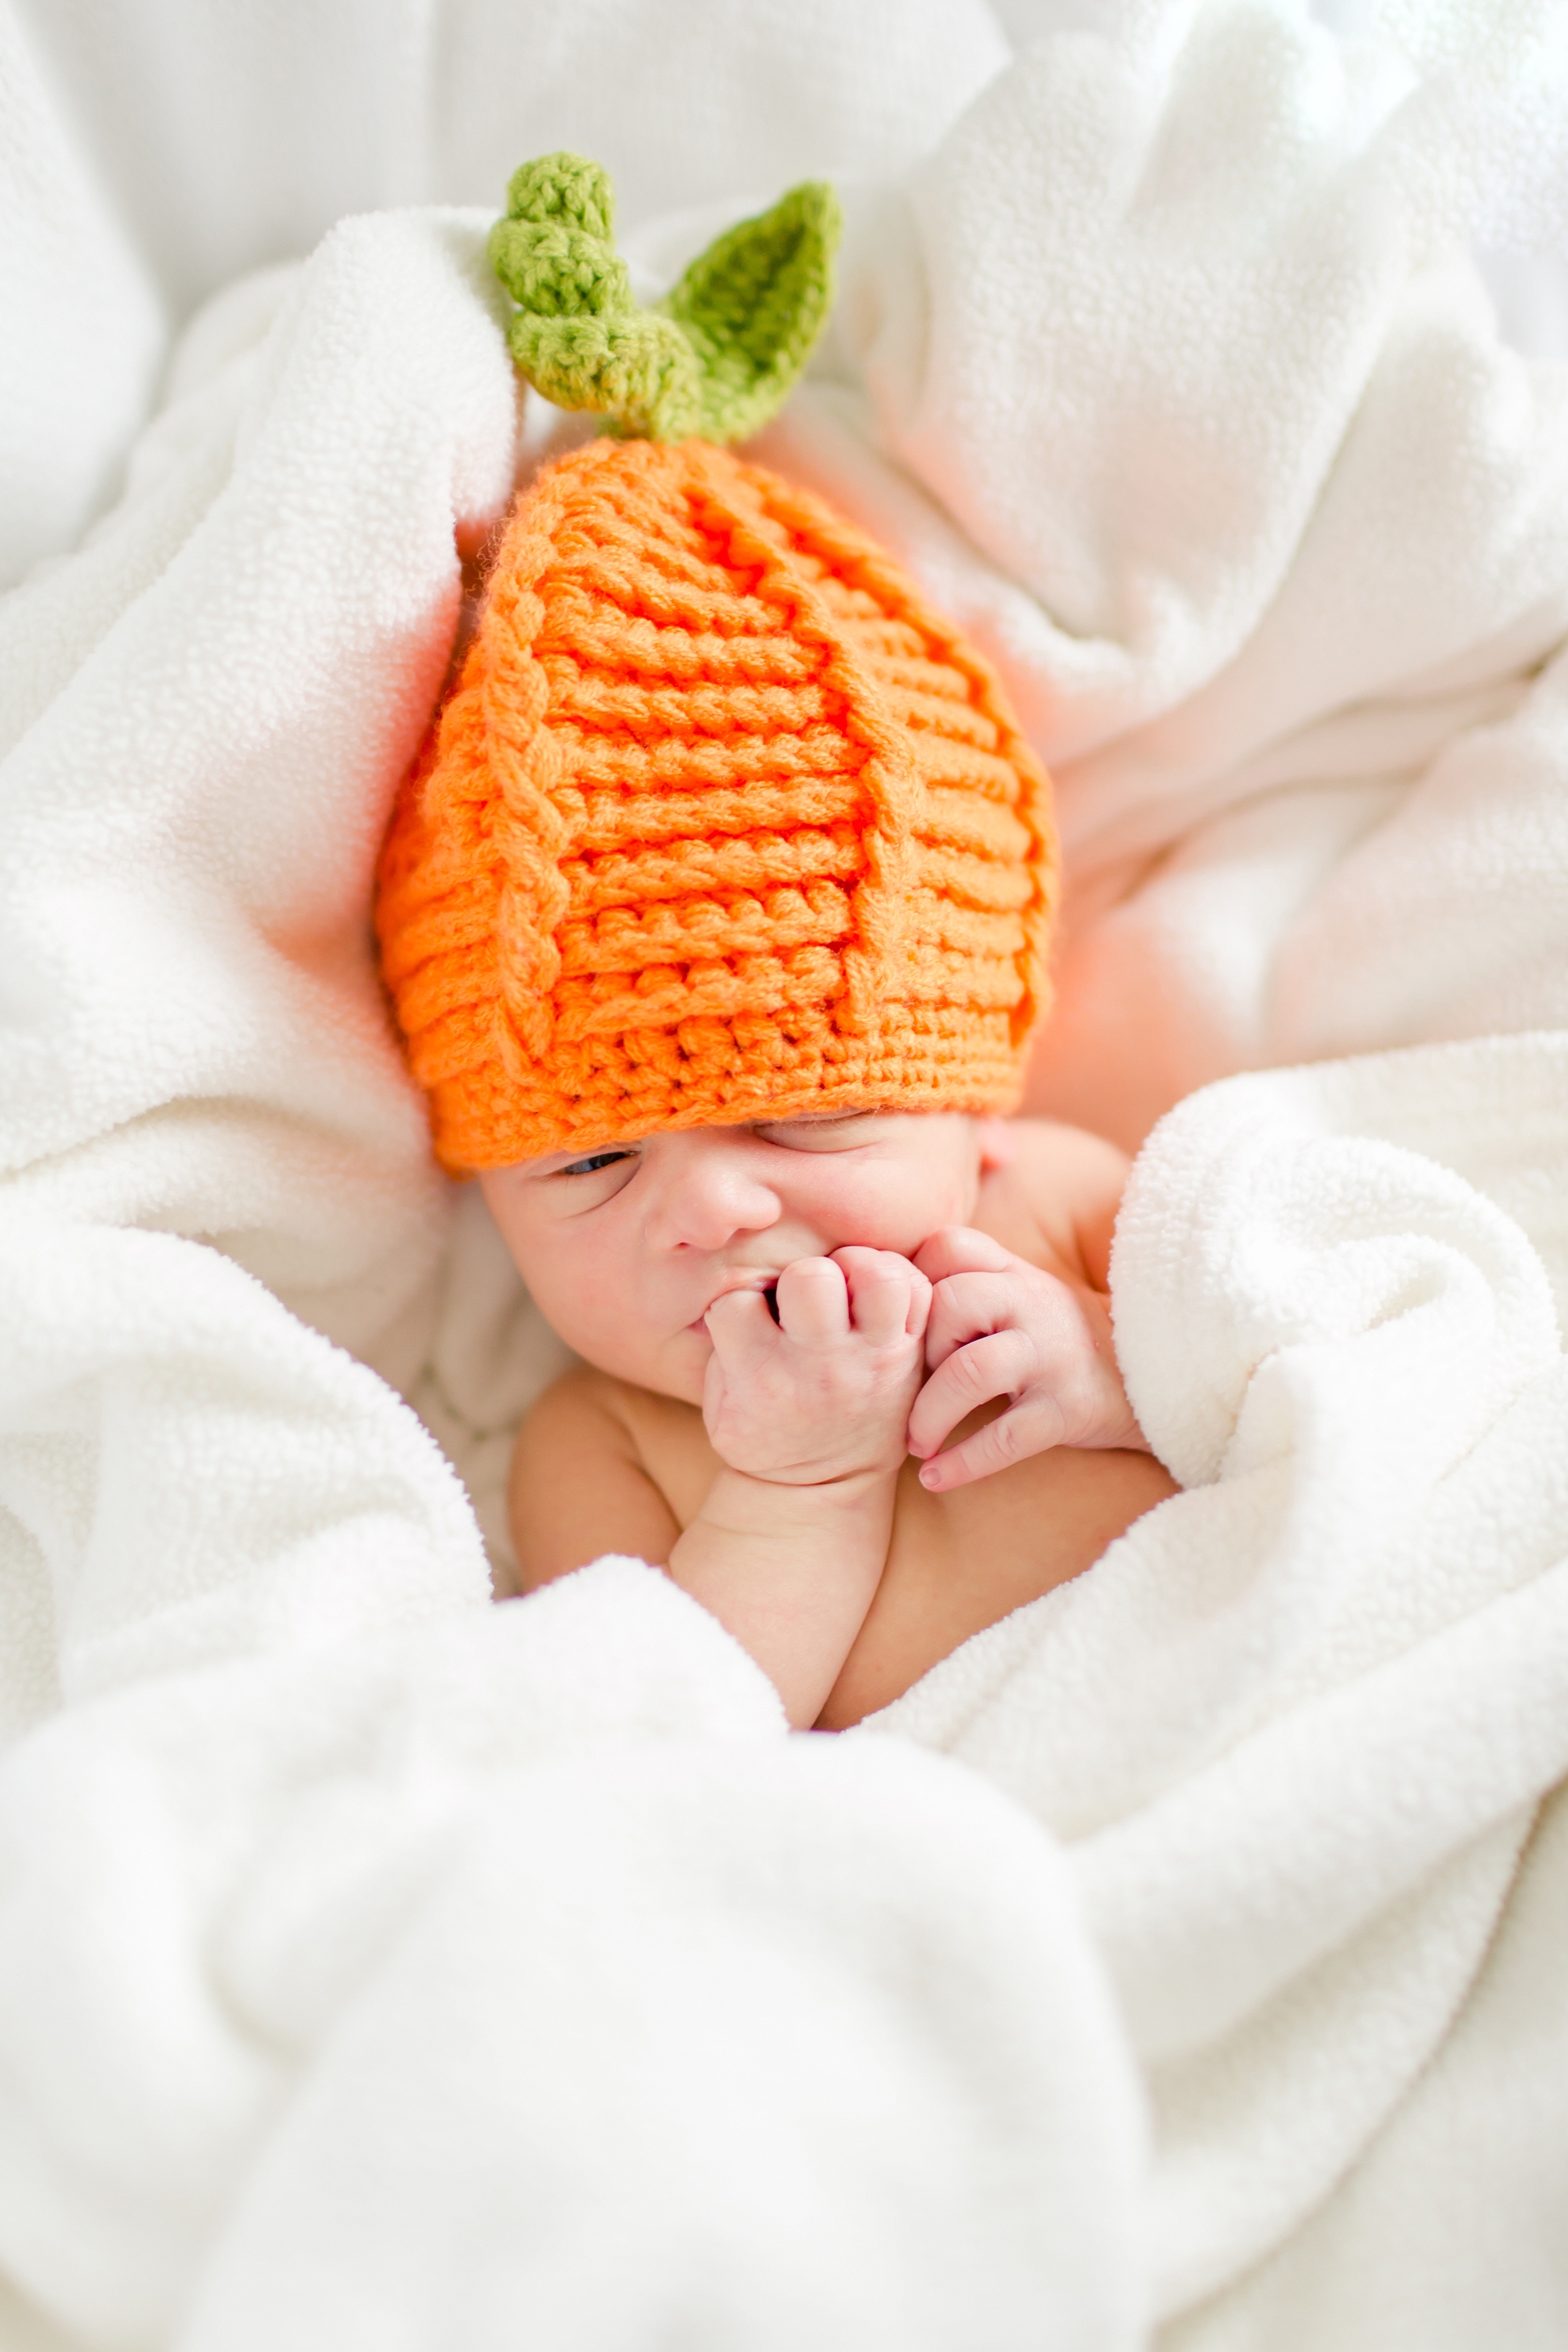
column 754, row 303
column 715, row 358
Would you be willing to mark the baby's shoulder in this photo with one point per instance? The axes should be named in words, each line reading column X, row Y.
column 579, row 1401
column 587, row 1422
column 1068, row 1161
column 589, row 1475
column 1053, row 1199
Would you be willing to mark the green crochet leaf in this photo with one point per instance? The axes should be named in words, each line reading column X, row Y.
column 753, row 305
column 715, row 358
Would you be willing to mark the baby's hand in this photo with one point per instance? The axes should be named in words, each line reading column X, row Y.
column 825, row 1393
column 999, row 1327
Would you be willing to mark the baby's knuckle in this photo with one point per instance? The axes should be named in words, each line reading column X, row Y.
column 1005, row 1438
column 1052, row 1414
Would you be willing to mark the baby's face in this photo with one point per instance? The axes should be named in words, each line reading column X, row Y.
column 625, row 1248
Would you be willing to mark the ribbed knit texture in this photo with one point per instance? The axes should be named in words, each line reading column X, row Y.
column 720, row 822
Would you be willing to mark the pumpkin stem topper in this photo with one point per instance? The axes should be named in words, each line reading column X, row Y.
column 714, row 359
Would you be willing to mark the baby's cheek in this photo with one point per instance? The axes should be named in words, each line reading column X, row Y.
column 898, row 1208
column 590, row 1322
column 595, row 1319
column 572, row 1299
column 583, row 1286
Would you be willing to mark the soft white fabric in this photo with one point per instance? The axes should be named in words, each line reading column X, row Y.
column 1214, row 442
column 370, row 1959
column 152, row 152
column 379, row 1965
column 1295, row 1722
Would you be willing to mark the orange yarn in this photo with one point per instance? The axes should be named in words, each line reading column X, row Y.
column 720, row 822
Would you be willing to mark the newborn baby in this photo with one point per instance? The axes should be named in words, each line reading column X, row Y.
column 714, row 915
column 758, row 1306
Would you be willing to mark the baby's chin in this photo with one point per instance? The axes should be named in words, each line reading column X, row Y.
column 672, row 1367
column 683, row 1365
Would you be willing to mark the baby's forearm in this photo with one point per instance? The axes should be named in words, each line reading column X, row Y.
column 791, row 1572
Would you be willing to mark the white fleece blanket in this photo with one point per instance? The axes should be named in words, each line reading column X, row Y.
column 1180, row 1960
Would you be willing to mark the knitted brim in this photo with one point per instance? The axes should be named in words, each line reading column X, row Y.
column 720, row 824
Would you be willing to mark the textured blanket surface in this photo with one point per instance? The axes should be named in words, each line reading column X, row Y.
column 1180, row 1961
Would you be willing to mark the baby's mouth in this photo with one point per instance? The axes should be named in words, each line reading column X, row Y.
column 761, row 1281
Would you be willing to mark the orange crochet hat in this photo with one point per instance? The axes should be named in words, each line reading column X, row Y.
column 720, row 822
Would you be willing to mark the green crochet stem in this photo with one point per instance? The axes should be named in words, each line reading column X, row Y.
column 715, row 358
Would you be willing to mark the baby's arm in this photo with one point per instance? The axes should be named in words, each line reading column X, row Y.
column 809, row 1418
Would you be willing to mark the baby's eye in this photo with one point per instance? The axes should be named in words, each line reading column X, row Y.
column 827, row 1134
column 594, row 1160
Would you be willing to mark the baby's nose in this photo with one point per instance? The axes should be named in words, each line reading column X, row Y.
column 710, row 1194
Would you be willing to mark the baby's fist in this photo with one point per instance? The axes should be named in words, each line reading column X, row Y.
column 823, row 1394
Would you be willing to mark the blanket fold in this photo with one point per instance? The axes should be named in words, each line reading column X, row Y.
column 1352, row 1355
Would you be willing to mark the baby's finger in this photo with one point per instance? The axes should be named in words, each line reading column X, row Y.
column 1032, row 1426
column 961, row 1249
column 997, row 1366
column 881, row 1287
column 813, row 1302
column 741, row 1329
column 965, row 1306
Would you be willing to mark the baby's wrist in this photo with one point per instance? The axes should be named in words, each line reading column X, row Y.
column 838, row 1452
column 751, row 1497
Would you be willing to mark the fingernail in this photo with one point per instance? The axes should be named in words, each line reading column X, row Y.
column 930, row 1474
